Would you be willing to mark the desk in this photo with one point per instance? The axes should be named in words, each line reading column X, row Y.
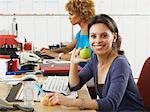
column 82, row 93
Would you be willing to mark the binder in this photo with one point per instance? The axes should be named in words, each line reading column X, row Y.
column 56, row 69
column 13, row 93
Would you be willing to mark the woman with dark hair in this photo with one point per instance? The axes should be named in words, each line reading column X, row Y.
column 113, row 27
column 114, row 84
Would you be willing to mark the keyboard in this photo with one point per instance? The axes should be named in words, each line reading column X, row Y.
column 43, row 56
column 56, row 84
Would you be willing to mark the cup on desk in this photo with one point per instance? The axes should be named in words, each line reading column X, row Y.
column 28, row 46
column 28, row 91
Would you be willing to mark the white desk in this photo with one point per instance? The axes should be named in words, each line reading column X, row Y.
column 82, row 93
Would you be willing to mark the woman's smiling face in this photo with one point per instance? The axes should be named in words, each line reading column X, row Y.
column 101, row 38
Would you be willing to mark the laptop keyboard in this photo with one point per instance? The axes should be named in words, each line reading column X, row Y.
column 56, row 84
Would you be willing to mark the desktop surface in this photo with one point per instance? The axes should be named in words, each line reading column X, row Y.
column 82, row 93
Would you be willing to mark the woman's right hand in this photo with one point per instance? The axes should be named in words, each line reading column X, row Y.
column 44, row 52
column 75, row 57
column 48, row 52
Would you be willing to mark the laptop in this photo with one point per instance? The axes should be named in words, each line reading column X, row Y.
column 43, row 56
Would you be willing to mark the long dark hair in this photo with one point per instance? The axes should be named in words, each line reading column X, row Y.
column 107, row 20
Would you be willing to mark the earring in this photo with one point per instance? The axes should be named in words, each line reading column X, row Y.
column 114, row 46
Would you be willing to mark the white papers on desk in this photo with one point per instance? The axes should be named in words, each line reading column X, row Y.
column 10, row 79
column 38, row 97
column 19, row 96
column 37, row 94
column 3, row 63
column 55, row 61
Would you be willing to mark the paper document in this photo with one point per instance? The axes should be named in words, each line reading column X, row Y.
column 9, row 78
column 55, row 61
column 49, row 86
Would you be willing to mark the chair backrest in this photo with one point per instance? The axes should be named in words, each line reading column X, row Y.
column 144, row 83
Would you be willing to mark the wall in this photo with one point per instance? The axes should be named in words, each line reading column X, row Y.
column 45, row 22
column 133, row 19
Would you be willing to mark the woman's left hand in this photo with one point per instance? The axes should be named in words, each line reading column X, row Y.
column 57, row 98
column 75, row 57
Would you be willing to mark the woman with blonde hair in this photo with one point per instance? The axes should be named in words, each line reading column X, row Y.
column 80, row 12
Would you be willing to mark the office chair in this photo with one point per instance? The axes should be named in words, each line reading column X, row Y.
column 144, row 84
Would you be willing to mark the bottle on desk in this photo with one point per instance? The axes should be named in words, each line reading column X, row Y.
column 28, row 93
column 14, row 27
column 28, row 90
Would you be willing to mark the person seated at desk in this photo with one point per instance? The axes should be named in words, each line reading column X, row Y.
column 114, row 84
column 80, row 12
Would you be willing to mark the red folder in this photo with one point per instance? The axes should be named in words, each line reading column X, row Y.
column 8, row 40
column 56, row 68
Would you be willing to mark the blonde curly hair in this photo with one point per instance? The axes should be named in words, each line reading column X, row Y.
column 84, row 8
